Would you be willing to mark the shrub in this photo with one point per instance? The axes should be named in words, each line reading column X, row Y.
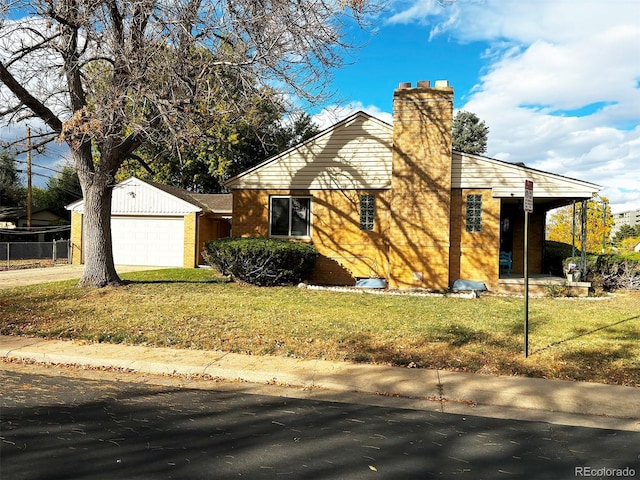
column 618, row 271
column 261, row 261
column 555, row 255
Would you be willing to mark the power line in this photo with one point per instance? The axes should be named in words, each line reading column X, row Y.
column 74, row 193
column 39, row 166
column 34, row 230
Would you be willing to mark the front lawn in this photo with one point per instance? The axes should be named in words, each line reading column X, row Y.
column 581, row 339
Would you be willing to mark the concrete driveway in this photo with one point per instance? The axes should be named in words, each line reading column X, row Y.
column 32, row 276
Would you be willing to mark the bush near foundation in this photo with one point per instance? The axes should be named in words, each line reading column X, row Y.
column 554, row 256
column 261, row 261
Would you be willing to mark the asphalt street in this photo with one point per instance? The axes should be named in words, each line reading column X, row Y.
column 58, row 426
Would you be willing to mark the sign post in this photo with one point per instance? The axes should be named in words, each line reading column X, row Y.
column 528, row 208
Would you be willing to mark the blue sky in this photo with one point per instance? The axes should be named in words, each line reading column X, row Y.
column 557, row 81
column 403, row 53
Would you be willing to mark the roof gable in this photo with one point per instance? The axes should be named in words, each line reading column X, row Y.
column 352, row 154
column 136, row 197
column 356, row 153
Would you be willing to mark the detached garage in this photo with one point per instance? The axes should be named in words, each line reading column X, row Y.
column 158, row 225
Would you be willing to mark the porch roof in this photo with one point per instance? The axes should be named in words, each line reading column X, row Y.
column 506, row 180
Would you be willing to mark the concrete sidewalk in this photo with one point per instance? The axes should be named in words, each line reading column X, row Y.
column 448, row 389
column 33, row 276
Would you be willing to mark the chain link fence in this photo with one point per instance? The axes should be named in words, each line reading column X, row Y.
column 14, row 255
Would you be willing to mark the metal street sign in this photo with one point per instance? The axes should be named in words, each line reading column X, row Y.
column 528, row 208
column 528, row 196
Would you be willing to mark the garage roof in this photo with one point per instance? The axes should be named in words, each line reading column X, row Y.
column 137, row 197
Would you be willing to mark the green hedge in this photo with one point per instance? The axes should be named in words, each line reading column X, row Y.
column 555, row 256
column 261, row 261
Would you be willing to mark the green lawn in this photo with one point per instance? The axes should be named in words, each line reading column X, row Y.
column 582, row 339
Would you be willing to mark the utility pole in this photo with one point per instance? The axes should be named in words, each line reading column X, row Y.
column 29, row 189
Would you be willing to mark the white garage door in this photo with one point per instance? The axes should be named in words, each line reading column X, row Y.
column 153, row 241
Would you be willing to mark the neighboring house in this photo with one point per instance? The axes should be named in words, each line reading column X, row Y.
column 158, row 225
column 396, row 202
column 16, row 218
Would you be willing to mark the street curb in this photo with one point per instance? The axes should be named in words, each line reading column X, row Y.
column 442, row 386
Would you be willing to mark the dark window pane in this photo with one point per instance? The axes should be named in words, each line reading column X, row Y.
column 279, row 216
column 300, row 216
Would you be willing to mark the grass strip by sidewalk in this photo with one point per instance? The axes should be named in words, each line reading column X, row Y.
column 580, row 339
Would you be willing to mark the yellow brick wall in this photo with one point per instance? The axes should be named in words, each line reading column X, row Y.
column 337, row 236
column 474, row 255
column 250, row 213
column 210, row 228
column 346, row 251
column 76, row 238
column 190, row 240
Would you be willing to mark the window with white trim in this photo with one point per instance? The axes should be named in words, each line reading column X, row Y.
column 367, row 211
column 474, row 213
column 289, row 216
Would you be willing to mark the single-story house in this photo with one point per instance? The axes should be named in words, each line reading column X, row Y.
column 12, row 218
column 158, row 225
column 397, row 203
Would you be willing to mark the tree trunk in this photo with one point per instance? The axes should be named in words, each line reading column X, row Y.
column 99, row 268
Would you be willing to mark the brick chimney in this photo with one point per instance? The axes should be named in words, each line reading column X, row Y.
column 421, row 186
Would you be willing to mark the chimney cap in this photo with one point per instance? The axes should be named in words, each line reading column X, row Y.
column 404, row 85
column 442, row 83
column 424, row 84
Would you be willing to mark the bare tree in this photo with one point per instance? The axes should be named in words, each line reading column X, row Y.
column 105, row 75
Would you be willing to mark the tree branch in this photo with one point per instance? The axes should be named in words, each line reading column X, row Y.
column 144, row 164
column 37, row 107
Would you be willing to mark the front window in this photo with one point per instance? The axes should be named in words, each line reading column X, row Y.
column 474, row 213
column 290, row 217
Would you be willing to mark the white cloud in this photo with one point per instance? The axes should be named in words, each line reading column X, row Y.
column 561, row 87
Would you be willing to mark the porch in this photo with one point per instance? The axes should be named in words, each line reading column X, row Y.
column 541, row 285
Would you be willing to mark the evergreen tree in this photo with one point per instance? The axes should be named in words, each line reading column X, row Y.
column 469, row 133
column 12, row 193
column 625, row 231
column 62, row 189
